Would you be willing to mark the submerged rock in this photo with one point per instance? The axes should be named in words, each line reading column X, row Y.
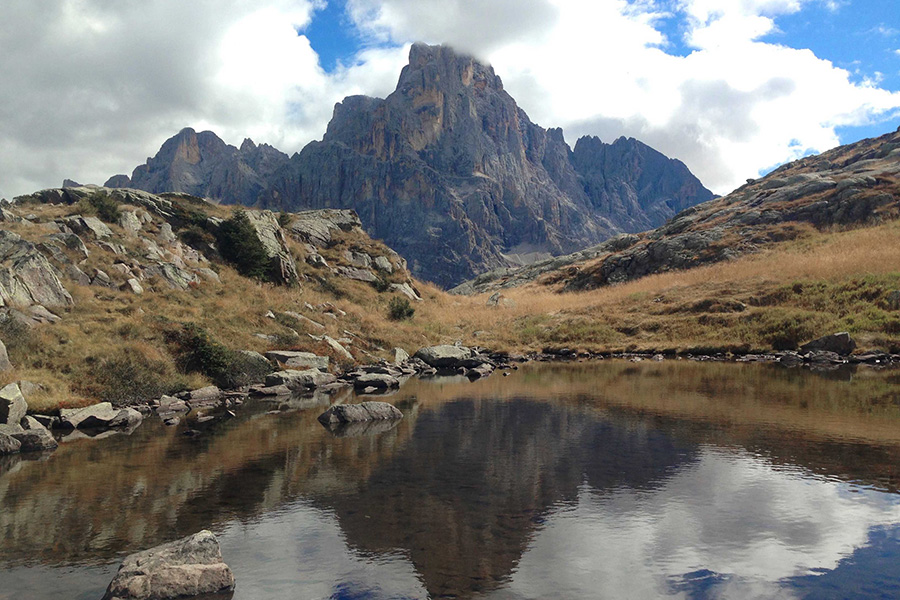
column 357, row 413
column 188, row 567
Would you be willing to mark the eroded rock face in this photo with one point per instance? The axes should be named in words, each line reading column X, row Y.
column 201, row 164
column 185, row 568
column 450, row 172
column 26, row 276
column 5, row 365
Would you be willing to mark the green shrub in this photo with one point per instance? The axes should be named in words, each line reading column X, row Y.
column 399, row 309
column 240, row 246
column 132, row 378
column 104, row 207
column 381, row 285
column 197, row 352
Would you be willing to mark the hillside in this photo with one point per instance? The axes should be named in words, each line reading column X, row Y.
column 448, row 170
column 848, row 187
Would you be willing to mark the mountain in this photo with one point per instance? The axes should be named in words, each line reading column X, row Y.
column 847, row 187
column 448, row 170
column 201, row 164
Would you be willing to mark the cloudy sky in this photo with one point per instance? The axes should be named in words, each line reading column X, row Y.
column 733, row 88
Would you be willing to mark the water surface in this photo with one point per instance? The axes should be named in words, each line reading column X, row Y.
column 595, row 480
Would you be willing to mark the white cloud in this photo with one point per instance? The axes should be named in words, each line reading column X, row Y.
column 91, row 87
column 732, row 107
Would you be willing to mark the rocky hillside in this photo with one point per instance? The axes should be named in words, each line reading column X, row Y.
column 447, row 170
column 106, row 293
column 201, row 164
column 849, row 186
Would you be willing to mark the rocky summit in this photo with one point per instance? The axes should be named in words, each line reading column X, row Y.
column 448, row 170
column 201, row 164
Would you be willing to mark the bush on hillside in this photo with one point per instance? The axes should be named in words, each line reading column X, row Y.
column 198, row 352
column 240, row 246
column 400, row 309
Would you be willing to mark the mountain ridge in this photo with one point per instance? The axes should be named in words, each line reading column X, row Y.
column 448, row 170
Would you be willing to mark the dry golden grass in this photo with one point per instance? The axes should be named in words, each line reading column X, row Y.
column 793, row 292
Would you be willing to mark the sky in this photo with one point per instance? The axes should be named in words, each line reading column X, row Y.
column 733, row 88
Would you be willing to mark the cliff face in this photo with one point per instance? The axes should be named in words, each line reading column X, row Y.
column 201, row 164
column 447, row 169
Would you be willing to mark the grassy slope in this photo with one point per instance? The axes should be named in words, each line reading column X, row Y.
column 821, row 283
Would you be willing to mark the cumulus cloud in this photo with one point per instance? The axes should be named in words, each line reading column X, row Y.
column 93, row 86
column 732, row 106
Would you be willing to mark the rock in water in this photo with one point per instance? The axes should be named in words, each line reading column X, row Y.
column 98, row 416
column 443, row 356
column 9, row 444
column 357, row 413
column 188, row 567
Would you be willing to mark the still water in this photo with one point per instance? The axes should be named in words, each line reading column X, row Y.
column 595, row 480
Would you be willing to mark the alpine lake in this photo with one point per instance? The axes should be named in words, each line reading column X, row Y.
column 600, row 479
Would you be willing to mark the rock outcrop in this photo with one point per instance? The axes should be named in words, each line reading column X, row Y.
column 189, row 567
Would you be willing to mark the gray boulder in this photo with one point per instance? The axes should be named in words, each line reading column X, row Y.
column 34, row 436
column 9, row 444
column 400, row 356
column 98, row 416
column 299, row 380
column 379, row 381
column 192, row 566
column 443, row 356
column 356, row 413
column 12, row 405
column 291, row 358
column 839, row 343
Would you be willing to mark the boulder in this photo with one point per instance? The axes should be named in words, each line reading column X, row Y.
column 400, row 356
column 291, row 358
column 5, row 365
column 192, row 566
column 204, row 394
column 299, row 380
column 338, row 349
column 170, row 404
column 35, row 436
column 443, row 356
column 382, row 263
column 356, row 413
column 379, row 381
column 839, row 343
column 407, row 290
column 9, row 444
column 12, row 405
column 98, row 416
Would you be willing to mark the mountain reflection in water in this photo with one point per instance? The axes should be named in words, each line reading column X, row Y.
column 601, row 480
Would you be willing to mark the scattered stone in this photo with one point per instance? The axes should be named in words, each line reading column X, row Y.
column 133, row 286
column 12, row 405
column 9, row 444
column 355, row 413
column 188, row 567
column 48, row 421
column 357, row 274
column 126, row 418
column 839, row 343
column 275, row 390
column 170, row 404
column 338, row 348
